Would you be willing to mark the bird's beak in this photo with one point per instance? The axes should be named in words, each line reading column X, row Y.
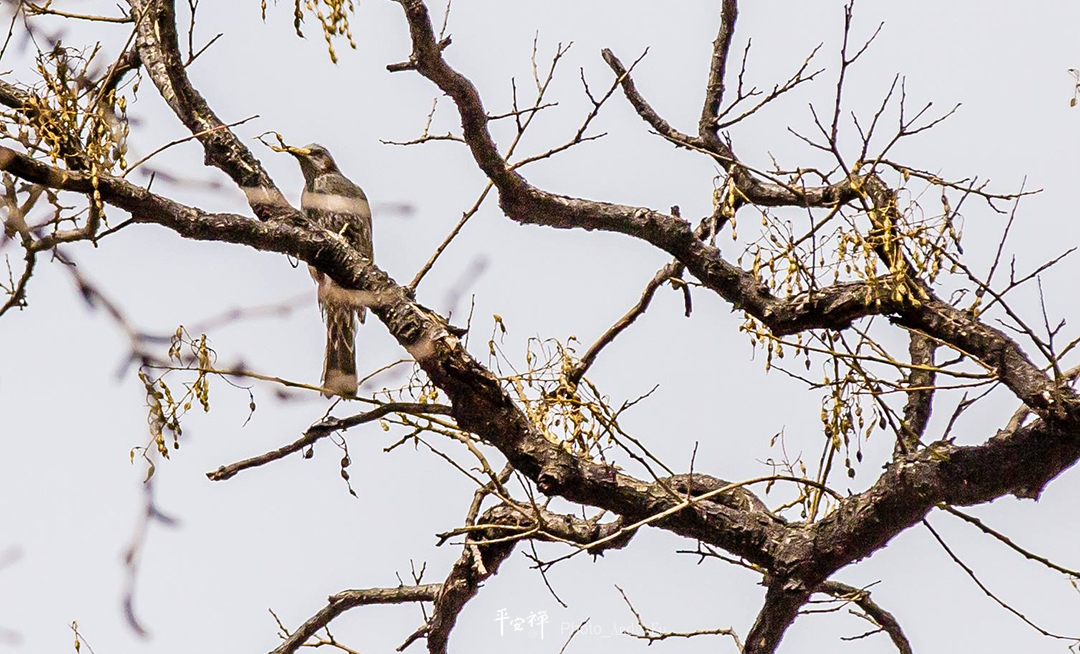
column 297, row 152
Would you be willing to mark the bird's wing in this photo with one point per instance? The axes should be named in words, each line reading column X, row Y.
column 337, row 204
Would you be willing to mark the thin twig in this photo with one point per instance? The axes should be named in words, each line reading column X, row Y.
column 990, row 594
column 322, row 430
column 185, row 140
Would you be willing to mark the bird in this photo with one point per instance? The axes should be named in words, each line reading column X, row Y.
column 331, row 201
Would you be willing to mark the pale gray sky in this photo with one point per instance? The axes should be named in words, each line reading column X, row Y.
column 287, row 535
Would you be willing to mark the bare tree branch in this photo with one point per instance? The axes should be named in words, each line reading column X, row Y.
column 714, row 89
column 159, row 50
column 920, row 402
column 986, row 591
column 796, row 558
column 861, row 597
column 781, row 607
column 321, row 430
column 348, row 599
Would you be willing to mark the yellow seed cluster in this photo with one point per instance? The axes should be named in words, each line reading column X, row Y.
column 874, row 239
column 165, row 409
column 73, row 118
column 333, row 17
column 577, row 417
column 842, row 415
column 853, row 244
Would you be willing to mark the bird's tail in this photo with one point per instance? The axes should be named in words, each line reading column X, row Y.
column 339, row 367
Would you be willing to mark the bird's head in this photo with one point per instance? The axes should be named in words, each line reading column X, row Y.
column 314, row 160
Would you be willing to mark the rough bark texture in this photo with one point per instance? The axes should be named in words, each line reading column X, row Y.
column 798, row 558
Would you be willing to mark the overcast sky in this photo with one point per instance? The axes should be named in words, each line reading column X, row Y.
column 287, row 535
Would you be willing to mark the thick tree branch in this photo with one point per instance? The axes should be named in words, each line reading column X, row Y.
column 644, row 109
column 834, row 307
column 921, row 396
column 798, row 557
column 482, row 560
column 781, row 607
column 484, row 551
column 480, row 403
column 11, row 96
column 1020, row 464
column 158, row 47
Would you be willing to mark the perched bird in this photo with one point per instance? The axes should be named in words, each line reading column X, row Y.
column 333, row 202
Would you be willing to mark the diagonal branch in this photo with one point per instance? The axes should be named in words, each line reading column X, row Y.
column 1075, row 574
column 781, row 607
column 797, row 556
column 644, row 109
column 861, row 597
column 321, row 430
column 480, row 403
column 670, row 271
column 751, row 189
column 158, row 46
column 986, row 591
column 17, row 294
column 478, row 562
